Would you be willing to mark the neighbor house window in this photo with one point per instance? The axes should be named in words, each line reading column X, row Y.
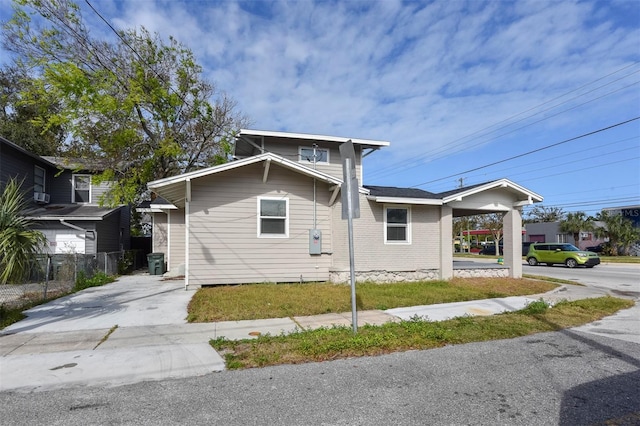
column 273, row 217
column 397, row 225
column 321, row 155
column 81, row 189
column 38, row 179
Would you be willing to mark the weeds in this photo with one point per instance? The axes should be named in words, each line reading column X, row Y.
column 99, row 279
column 340, row 342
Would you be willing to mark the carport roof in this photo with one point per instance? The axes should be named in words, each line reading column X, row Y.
column 390, row 194
column 69, row 212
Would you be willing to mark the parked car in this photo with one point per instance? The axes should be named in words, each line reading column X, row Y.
column 596, row 249
column 491, row 249
column 559, row 253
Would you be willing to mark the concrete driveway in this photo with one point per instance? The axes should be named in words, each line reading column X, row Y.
column 133, row 300
column 120, row 333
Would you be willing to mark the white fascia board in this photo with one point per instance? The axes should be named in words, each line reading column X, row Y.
column 302, row 169
column 164, row 207
column 203, row 172
column 308, row 136
column 400, row 200
column 157, row 184
column 153, row 210
column 501, row 183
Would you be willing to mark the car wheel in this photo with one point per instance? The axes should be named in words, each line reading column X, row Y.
column 571, row 263
column 532, row 261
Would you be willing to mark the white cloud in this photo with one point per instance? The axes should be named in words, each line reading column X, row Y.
column 422, row 75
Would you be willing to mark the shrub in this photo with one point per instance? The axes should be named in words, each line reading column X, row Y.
column 100, row 278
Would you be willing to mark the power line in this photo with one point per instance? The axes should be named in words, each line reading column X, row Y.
column 548, row 159
column 392, row 169
column 531, row 152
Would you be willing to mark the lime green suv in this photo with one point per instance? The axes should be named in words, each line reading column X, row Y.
column 555, row 253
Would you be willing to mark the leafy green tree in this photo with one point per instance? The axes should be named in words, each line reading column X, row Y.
column 577, row 222
column 23, row 123
column 542, row 214
column 139, row 106
column 18, row 242
column 619, row 230
column 494, row 223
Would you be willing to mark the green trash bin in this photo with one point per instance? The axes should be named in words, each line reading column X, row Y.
column 156, row 263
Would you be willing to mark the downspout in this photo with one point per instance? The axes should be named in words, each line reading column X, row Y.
column 187, row 201
column 72, row 226
column 168, row 239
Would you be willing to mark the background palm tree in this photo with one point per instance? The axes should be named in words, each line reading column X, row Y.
column 18, row 243
column 619, row 230
column 576, row 223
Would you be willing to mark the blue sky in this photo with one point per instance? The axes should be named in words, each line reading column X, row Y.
column 453, row 85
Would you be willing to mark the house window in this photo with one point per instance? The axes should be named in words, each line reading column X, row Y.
column 38, row 179
column 81, row 189
column 397, row 225
column 273, row 217
column 306, row 155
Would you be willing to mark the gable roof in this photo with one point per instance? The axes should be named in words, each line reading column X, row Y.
column 24, row 151
column 173, row 188
column 460, row 193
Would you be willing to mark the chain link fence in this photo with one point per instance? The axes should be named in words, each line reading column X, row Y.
column 53, row 275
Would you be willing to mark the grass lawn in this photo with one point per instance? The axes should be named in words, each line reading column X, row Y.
column 339, row 342
column 258, row 301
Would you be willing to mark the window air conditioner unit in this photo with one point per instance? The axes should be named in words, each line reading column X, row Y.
column 41, row 197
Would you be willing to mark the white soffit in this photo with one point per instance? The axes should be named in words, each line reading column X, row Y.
column 366, row 142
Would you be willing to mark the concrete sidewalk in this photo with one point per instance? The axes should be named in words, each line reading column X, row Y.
column 134, row 330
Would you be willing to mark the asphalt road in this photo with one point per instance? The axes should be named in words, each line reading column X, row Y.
column 563, row 378
column 621, row 278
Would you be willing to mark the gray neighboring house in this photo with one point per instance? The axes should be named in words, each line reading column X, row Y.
column 274, row 215
column 65, row 202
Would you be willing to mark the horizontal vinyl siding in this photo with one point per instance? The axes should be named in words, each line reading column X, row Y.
column 109, row 233
column 224, row 246
column 159, row 234
column 371, row 253
column 290, row 150
column 176, row 218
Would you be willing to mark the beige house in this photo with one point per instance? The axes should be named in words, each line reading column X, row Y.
column 274, row 214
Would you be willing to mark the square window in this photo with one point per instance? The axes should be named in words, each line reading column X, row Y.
column 306, row 155
column 273, row 217
column 397, row 225
column 81, row 188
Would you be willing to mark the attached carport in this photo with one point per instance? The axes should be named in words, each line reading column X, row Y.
column 500, row 196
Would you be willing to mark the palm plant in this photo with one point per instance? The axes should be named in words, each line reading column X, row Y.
column 576, row 223
column 18, row 242
column 618, row 229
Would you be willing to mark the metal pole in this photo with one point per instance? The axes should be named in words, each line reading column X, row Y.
column 354, row 312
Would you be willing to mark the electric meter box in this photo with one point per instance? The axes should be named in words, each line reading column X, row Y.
column 315, row 241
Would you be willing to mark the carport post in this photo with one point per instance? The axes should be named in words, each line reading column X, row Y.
column 512, row 237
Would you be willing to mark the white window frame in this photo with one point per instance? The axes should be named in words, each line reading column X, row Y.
column 303, row 160
column 260, row 217
column 73, row 189
column 44, row 179
column 408, row 224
